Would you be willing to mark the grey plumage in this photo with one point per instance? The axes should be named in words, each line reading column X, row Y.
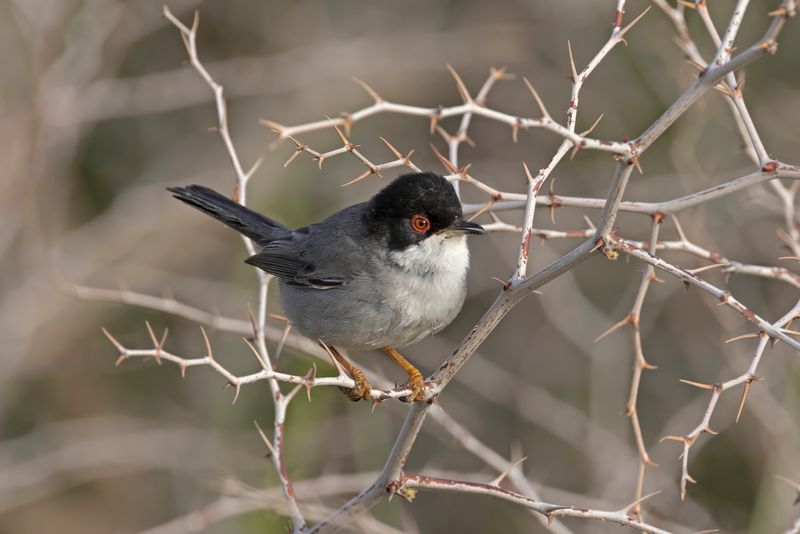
column 384, row 302
column 246, row 221
column 362, row 279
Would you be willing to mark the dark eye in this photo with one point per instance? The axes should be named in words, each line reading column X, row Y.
column 420, row 224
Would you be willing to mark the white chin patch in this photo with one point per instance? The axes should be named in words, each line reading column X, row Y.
column 443, row 254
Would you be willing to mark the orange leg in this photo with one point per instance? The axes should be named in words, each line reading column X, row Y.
column 362, row 389
column 416, row 383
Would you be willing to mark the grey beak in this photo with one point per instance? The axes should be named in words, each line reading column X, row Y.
column 467, row 227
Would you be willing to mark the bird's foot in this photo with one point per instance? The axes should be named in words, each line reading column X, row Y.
column 416, row 383
column 361, row 389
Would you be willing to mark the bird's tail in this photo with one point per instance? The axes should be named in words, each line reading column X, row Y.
column 243, row 220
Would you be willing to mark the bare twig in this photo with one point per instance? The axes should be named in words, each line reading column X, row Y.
column 621, row 517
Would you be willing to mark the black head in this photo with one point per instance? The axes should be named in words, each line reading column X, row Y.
column 416, row 206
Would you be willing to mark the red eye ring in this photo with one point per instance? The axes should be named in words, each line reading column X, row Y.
column 420, row 224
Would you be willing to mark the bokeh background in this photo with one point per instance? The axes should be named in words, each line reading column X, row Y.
column 99, row 112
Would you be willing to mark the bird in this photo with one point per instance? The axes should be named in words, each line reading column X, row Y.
column 381, row 274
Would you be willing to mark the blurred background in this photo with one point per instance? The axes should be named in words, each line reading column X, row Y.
column 99, row 112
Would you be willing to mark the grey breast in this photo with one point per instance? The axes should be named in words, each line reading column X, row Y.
column 350, row 315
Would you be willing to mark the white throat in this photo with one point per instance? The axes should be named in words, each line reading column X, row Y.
column 428, row 288
column 440, row 255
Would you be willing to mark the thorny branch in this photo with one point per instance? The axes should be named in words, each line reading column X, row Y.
column 718, row 74
column 766, row 332
column 640, row 364
column 621, row 517
column 281, row 401
column 307, row 381
column 745, row 379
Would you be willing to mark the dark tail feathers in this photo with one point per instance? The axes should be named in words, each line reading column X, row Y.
column 245, row 221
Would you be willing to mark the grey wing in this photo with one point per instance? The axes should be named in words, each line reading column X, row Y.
column 307, row 262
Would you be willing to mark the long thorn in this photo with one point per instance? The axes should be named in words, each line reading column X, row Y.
column 624, row 30
column 747, row 385
column 536, row 97
column 572, row 63
column 375, row 96
column 156, row 345
column 462, row 89
column 265, row 439
column 614, row 328
column 504, row 474
column 391, row 147
column 113, row 340
column 207, row 342
column 261, row 361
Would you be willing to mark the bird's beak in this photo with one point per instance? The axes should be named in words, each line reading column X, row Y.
column 464, row 227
